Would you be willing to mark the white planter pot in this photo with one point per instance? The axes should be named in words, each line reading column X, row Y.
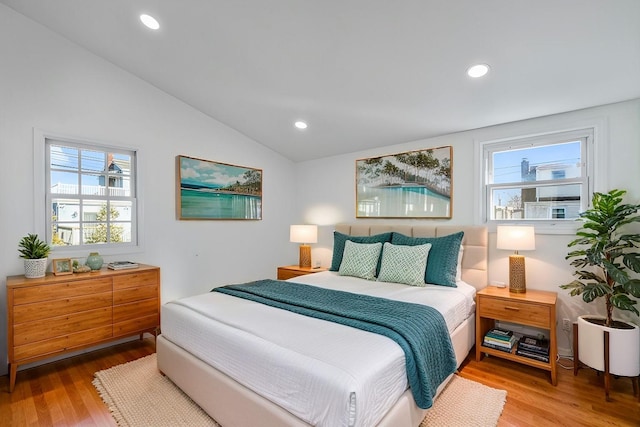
column 34, row 268
column 624, row 347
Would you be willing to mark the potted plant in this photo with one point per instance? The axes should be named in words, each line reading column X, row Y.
column 606, row 258
column 35, row 253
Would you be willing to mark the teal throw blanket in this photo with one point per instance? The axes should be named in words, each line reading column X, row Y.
column 419, row 330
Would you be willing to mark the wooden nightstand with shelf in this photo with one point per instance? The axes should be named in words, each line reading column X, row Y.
column 533, row 308
column 289, row 271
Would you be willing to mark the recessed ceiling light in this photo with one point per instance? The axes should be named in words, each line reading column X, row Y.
column 479, row 70
column 149, row 21
column 300, row 125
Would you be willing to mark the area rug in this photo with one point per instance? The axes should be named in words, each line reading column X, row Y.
column 138, row 395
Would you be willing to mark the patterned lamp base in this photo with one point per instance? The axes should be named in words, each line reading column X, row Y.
column 517, row 276
column 305, row 256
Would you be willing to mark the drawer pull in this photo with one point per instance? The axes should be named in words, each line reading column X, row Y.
column 507, row 307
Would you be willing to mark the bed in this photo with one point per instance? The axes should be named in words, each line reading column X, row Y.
column 220, row 356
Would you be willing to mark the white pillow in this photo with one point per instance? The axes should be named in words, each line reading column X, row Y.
column 459, row 268
column 404, row 264
column 360, row 260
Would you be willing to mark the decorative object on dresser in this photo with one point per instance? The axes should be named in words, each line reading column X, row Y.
column 516, row 238
column 304, row 234
column 606, row 259
column 413, row 184
column 54, row 315
column 122, row 265
column 534, row 308
column 94, row 261
column 289, row 271
column 35, row 253
column 61, row 266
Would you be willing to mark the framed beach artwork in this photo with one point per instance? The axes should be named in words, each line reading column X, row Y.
column 414, row 184
column 213, row 190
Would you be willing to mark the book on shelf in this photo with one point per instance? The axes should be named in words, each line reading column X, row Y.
column 505, row 343
column 497, row 347
column 122, row 265
column 534, row 345
column 500, row 333
column 533, row 355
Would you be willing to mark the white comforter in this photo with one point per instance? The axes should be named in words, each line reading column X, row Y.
column 324, row 373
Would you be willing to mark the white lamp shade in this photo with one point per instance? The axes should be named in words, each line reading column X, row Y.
column 516, row 237
column 303, row 234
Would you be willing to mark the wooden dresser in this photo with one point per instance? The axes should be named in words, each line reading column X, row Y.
column 54, row 315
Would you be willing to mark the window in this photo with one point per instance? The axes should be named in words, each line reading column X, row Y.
column 542, row 179
column 90, row 195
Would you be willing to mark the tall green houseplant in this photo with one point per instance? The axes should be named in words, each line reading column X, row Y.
column 607, row 254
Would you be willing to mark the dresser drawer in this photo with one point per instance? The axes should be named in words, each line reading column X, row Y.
column 135, row 309
column 56, row 291
column 135, row 294
column 515, row 311
column 54, row 308
column 63, row 343
column 135, row 325
column 45, row 329
column 133, row 280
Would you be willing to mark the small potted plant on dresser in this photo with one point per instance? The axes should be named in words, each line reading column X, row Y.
column 606, row 260
column 35, row 253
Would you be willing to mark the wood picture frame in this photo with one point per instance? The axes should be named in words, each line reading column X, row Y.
column 206, row 189
column 62, row 266
column 414, row 184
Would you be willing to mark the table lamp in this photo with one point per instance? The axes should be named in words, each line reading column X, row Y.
column 304, row 234
column 516, row 238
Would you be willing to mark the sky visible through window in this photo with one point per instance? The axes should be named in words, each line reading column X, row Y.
column 507, row 164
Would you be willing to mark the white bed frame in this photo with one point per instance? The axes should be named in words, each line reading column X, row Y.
column 232, row 404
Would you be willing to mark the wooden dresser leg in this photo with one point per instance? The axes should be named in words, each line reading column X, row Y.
column 13, row 370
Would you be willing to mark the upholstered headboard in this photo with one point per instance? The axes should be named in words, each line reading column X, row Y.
column 475, row 243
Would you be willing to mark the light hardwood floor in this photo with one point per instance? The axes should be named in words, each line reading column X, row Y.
column 61, row 393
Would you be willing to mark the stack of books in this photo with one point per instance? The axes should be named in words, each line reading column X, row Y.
column 500, row 339
column 533, row 348
column 122, row 265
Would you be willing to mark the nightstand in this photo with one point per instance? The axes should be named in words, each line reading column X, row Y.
column 289, row 271
column 533, row 308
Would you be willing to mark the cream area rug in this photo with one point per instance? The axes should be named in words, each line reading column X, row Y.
column 138, row 395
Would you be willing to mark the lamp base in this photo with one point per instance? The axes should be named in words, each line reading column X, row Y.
column 305, row 256
column 517, row 276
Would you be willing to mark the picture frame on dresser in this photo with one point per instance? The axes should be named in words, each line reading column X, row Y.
column 61, row 266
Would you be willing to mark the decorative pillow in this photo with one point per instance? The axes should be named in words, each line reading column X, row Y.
column 404, row 264
column 360, row 259
column 459, row 268
column 338, row 246
column 443, row 256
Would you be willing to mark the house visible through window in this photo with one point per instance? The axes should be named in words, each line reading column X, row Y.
column 90, row 194
column 538, row 179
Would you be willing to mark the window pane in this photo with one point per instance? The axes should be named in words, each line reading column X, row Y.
column 63, row 158
column 64, row 182
column 547, row 162
column 94, row 233
column 121, row 232
column 544, row 202
column 65, row 210
column 93, row 185
column 65, row 234
column 119, row 186
column 121, row 211
column 93, row 161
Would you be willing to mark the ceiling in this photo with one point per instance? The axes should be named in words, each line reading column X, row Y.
column 363, row 73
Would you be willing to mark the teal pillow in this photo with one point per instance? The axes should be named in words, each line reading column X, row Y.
column 443, row 256
column 339, row 240
column 360, row 259
column 404, row 264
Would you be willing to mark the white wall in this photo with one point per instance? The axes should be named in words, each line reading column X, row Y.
column 326, row 192
column 51, row 84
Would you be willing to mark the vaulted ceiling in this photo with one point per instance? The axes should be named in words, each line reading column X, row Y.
column 363, row 73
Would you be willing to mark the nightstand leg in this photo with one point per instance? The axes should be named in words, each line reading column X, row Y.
column 576, row 358
column 13, row 370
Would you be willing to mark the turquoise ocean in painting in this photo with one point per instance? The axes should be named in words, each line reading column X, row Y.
column 398, row 201
column 206, row 203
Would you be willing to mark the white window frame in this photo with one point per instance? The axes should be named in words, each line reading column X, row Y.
column 42, row 196
column 594, row 166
